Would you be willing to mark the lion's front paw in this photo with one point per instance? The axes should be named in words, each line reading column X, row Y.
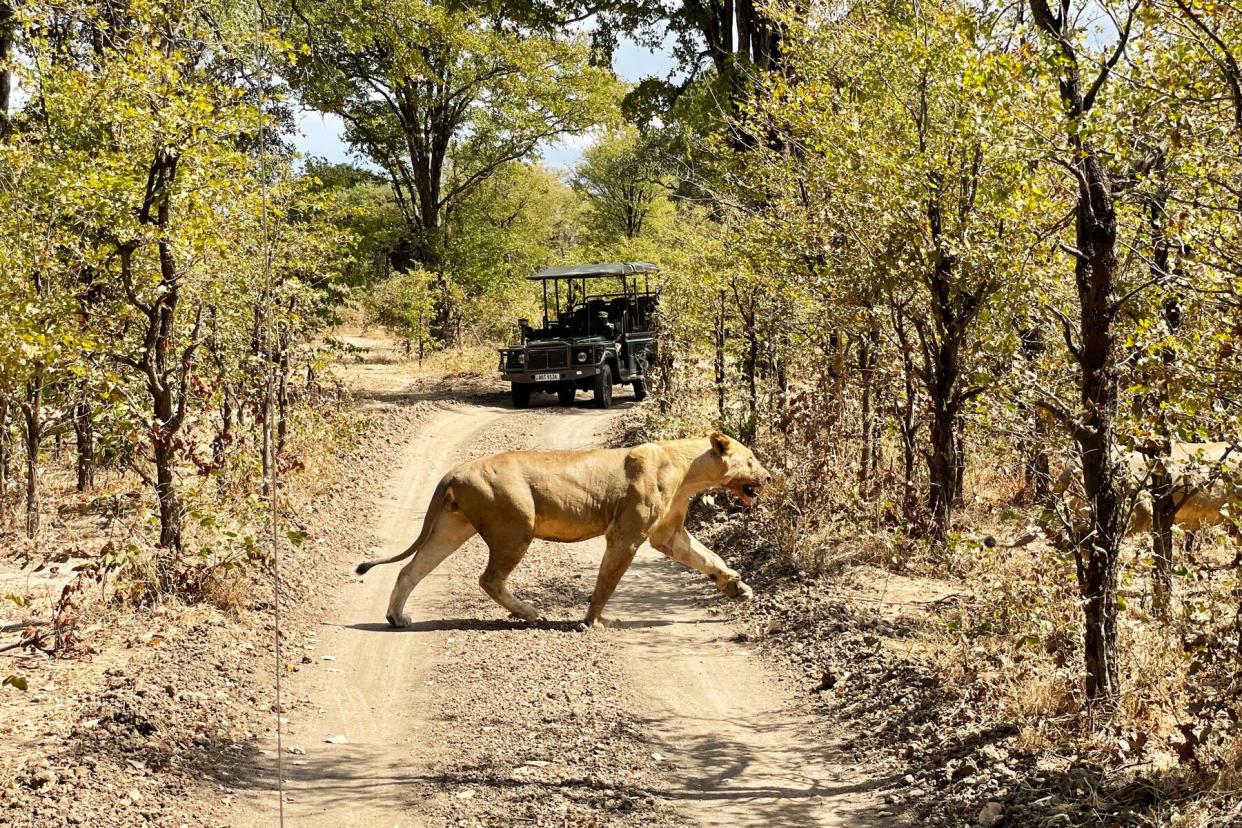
column 400, row 620
column 737, row 589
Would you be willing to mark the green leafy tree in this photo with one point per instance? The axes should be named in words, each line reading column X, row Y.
column 621, row 176
column 137, row 136
column 404, row 304
column 1082, row 73
column 442, row 97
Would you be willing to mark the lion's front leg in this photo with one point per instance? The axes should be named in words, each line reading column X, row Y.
column 617, row 558
column 686, row 549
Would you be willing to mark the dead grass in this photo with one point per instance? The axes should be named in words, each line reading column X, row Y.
column 365, row 346
column 1178, row 717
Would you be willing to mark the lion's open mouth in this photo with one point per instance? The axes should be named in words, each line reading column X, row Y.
column 748, row 493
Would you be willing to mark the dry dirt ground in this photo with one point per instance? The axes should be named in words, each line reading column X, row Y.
column 467, row 718
column 166, row 716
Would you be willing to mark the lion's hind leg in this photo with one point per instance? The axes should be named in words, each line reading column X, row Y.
column 503, row 557
column 451, row 531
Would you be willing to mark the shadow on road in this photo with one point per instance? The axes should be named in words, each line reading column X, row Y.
column 495, row 625
column 341, row 773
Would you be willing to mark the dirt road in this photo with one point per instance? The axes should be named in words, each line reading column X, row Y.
column 467, row 718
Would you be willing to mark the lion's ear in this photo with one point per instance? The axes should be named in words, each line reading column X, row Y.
column 720, row 442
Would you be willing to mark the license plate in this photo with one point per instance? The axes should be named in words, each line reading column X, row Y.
column 546, row 377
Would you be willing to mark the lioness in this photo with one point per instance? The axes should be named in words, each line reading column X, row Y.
column 628, row 495
column 1204, row 478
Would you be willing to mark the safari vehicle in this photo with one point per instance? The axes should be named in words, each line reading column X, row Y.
column 596, row 334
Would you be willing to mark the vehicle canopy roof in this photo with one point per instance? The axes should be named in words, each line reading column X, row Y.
column 585, row 271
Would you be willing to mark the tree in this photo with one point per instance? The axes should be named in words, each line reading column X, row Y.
column 1094, row 345
column 138, row 136
column 905, row 154
column 403, row 304
column 510, row 226
column 42, row 273
column 621, row 178
column 442, row 97
column 728, row 44
column 361, row 204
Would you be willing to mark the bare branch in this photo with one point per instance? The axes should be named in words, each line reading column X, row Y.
column 1067, row 331
column 1123, row 39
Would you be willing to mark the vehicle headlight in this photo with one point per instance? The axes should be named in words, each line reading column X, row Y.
column 582, row 356
column 521, row 357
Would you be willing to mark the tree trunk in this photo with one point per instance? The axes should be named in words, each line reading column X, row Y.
column 224, row 436
column 959, row 463
column 84, row 428
column 166, row 492
column 752, row 384
column 954, row 308
column 32, row 408
column 721, row 338
column 1163, row 510
column 165, row 371
column 782, row 369
column 748, row 313
column 1163, row 496
column 32, row 477
column 282, row 401
column 422, row 334
column 1038, row 470
column 908, row 422
column 1099, row 549
column 1037, row 474
column 263, row 415
column 942, row 465
column 6, row 74
column 4, row 461
column 879, row 404
column 909, row 453
column 167, row 424
column 868, row 353
column 943, row 374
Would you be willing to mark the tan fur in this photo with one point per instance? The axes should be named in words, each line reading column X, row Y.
column 628, row 495
column 1205, row 481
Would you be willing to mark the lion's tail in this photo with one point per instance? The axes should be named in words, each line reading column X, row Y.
column 438, row 501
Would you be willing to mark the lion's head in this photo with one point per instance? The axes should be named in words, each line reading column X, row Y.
column 741, row 473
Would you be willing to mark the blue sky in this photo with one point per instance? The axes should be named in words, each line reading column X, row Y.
column 321, row 134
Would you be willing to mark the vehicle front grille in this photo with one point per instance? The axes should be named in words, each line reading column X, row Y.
column 538, row 359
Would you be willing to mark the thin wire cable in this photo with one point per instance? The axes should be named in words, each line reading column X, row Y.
column 269, row 344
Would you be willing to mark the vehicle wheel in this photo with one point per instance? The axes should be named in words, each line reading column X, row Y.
column 603, row 387
column 520, row 393
column 566, row 394
column 640, row 388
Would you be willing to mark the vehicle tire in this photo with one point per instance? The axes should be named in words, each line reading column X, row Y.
column 640, row 388
column 603, row 387
column 520, row 393
column 566, row 394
